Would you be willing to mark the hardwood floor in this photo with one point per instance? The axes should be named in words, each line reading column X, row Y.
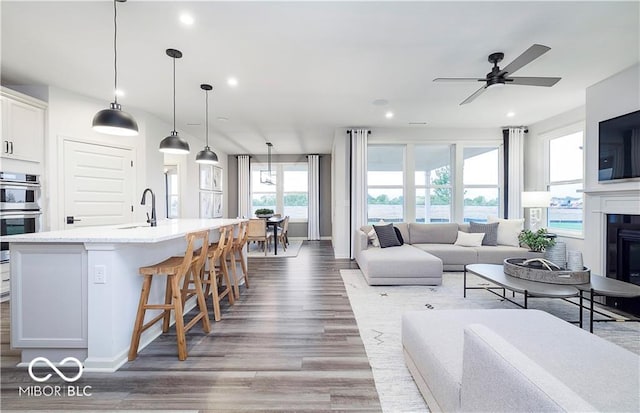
column 290, row 343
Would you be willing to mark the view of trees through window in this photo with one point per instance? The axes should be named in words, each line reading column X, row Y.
column 288, row 196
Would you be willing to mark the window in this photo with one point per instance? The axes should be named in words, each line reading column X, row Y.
column 481, row 184
column 385, row 191
column 565, row 215
column 432, row 183
column 288, row 196
column 173, row 196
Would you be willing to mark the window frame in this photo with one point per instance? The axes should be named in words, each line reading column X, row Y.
column 402, row 187
column 499, row 185
column 279, row 169
column 557, row 133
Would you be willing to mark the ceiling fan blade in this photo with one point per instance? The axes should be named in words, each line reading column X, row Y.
column 533, row 81
column 475, row 95
column 525, row 58
column 458, row 79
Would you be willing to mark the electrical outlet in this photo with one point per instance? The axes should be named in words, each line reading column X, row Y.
column 100, row 274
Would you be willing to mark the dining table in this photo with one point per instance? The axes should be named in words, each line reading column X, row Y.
column 275, row 222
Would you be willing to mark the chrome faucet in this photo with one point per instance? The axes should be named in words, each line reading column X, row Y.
column 151, row 220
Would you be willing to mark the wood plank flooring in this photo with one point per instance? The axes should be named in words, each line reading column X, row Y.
column 290, row 343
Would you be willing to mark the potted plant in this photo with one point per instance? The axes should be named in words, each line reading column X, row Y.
column 536, row 241
column 264, row 213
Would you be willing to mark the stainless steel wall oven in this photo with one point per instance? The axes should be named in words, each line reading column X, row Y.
column 19, row 206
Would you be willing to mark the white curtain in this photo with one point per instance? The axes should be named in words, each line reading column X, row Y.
column 516, row 172
column 314, row 197
column 244, row 187
column 359, row 138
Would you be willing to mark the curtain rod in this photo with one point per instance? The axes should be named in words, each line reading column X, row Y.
column 350, row 131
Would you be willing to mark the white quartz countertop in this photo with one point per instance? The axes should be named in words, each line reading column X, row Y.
column 124, row 233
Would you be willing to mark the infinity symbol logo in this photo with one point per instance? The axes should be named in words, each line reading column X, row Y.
column 58, row 372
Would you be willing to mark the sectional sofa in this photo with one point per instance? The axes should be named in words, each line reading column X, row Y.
column 516, row 361
column 427, row 251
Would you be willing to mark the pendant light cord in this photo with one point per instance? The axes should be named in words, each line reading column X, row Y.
column 174, row 94
column 115, row 52
column 206, row 127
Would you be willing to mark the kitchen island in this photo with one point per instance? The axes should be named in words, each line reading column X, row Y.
column 75, row 292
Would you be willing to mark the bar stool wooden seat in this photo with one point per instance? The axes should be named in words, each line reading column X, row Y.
column 216, row 279
column 175, row 269
column 236, row 252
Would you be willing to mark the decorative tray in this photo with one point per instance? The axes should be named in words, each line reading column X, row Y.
column 544, row 271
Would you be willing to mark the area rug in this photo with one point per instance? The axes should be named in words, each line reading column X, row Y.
column 256, row 251
column 378, row 312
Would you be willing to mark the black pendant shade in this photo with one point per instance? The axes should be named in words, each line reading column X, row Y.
column 173, row 143
column 114, row 121
column 206, row 156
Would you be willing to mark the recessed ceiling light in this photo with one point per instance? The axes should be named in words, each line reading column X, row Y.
column 186, row 19
column 380, row 102
column 511, row 114
column 232, row 81
column 388, row 115
column 222, row 118
column 119, row 93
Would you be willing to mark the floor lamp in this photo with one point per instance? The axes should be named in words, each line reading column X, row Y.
column 535, row 201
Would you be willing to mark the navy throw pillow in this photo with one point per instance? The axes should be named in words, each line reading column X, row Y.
column 386, row 236
column 399, row 235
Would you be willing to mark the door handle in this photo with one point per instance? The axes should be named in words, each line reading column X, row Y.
column 11, row 145
column 6, row 146
column 71, row 220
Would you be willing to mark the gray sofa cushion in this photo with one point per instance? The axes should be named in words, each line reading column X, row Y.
column 451, row 254
column 490, row 232
column 404, row 230
column 582, row 361
column 497, row 254
column 433, row 233
column 383, row 265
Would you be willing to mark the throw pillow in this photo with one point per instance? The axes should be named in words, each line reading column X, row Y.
column 386, row 236
column 373, row 238
column 399, row 235
column 467, row 239
column 490, row 232
column 508, row 230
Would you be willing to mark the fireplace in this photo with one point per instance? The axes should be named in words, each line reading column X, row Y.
column 623, row 257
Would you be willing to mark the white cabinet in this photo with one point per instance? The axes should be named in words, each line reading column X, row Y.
column 22, row 127
column 4, row 286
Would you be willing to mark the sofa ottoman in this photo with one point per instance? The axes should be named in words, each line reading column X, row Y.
column 403, row 265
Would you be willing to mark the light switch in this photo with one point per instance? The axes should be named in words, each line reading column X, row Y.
column 100, row 274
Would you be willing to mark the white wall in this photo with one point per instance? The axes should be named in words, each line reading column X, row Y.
column 70, row 115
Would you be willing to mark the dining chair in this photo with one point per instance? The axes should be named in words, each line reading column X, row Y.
column 258, row 232
column 282, row 233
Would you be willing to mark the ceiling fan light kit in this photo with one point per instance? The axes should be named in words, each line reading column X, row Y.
column 500, row 77
column 114, row 121
column 173, row 143
column 206, row 156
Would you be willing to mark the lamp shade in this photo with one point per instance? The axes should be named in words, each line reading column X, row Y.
column 207, row 156
column 174, row 144
column 114, row 121
column 536, row 199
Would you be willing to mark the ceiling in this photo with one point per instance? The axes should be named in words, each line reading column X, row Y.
column 307, row 68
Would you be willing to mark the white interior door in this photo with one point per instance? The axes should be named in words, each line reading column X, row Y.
column 99, row 184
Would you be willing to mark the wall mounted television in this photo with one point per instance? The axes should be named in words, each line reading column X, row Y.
column 619, row 147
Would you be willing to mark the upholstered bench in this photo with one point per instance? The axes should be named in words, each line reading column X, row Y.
column 516, row 360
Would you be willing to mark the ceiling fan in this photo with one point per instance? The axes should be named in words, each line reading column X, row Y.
column 499, row 77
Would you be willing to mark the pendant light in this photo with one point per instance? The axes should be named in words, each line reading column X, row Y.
column 114, row 121
column 173, row 143
column 269, row 179
column 206, row 155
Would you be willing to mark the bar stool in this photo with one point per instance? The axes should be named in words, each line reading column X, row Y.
column 216, row 275
column 236, row 252
column 175, row 268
